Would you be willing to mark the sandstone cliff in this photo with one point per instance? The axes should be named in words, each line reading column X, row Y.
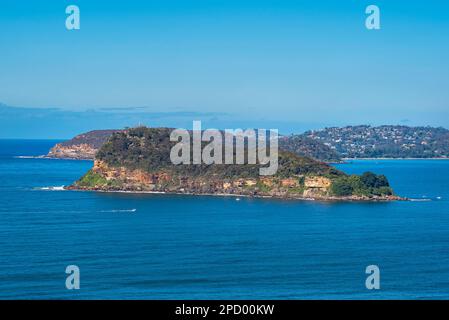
column 82, row 151
column 81, row 147
column 108, row 178
column 103, row 177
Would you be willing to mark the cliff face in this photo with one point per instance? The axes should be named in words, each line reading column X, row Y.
column 103, row 177
column 129, row 178
column 82, row 151
column 81, row 147
column 107, row 178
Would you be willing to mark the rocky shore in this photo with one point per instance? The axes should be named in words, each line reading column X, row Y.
column 284, row 196
column 105, row 178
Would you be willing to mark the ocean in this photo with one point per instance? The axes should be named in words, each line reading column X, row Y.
column 143, row 246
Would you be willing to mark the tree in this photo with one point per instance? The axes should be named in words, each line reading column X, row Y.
column 342, row 187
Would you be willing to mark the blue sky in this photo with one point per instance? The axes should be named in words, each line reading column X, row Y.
column 292, row 65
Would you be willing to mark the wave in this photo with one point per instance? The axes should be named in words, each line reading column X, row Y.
column 420, row 200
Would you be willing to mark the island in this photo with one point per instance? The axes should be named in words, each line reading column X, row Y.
column 138, row 160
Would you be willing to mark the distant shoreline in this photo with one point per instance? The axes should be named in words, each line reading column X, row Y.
column 437, row 158
column 331, row 162
column 52, row 158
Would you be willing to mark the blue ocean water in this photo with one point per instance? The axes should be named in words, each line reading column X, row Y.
column 132, row 246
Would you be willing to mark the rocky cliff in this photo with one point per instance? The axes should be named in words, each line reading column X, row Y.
column 81, row 147
column 104, row 177
column 82, row 151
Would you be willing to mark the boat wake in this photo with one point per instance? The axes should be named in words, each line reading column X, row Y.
column 52, row 188
column 119, row 210
column 426, row 199
column 29, row 157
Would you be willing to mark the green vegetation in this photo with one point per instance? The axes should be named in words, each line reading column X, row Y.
column 364, row 185
column 94, row 179
column 296, row 190
column 308, row 147
column 262, row 187
column 91, row 179
column 387, row 141
column 95, row 138
column 148, row 149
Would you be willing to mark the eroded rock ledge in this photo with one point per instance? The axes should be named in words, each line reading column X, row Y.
column 82, row 147
column 103, row 177
column 79, row 152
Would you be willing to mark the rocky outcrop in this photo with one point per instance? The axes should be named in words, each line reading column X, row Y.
column 290, row 182
column 317, row 182
column 128, row 178
column 82, row 151
column 103, row 177
column 81, row 147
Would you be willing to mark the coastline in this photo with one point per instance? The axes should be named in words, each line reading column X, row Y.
column 284, row 197
column 343, row 160
column 52, row 158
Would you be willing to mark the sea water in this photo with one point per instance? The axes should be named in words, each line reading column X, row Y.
column 143, row 246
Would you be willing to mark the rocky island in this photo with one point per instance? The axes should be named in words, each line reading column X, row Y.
column 138, row 160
